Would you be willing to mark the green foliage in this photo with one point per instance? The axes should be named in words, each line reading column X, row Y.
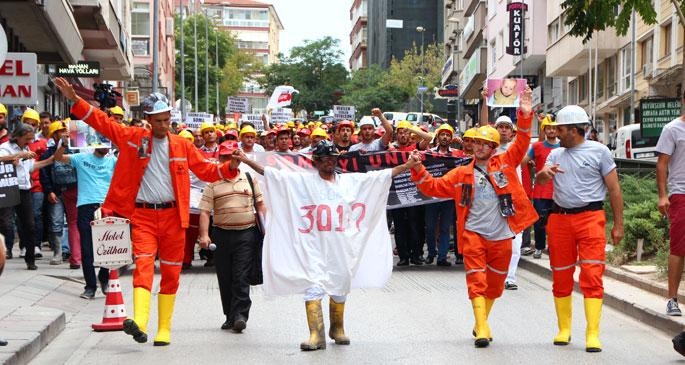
column 368, row 89
column 315, row 69
column 230, row 69
column 406, row 75
column 587, row 16
column 641, row 220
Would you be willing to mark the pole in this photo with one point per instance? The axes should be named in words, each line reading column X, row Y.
column 195, row 49
column 183, row 70
column 421, row 30
column 155, row 45
column 632, row 69
column 206, row 62
column 523, row 35
column 216, row 63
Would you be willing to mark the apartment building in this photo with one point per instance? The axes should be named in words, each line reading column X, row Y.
column 358, row 35
column 257, row 27
column 66, row 32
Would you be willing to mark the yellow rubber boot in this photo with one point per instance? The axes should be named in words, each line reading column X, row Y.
column 481, row 317
column 165, row 308
column 593, row 313
column 317, row 336
column 563, row 306
column 488, row 307
column 337, row 315
column 137, row 327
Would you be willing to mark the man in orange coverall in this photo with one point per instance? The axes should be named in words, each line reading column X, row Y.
column 492, row 207
column 151, row 187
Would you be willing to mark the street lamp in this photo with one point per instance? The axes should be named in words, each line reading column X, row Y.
column 421, row 30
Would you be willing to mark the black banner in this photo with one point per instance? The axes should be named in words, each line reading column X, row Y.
column 403, row 192
column 9, row 186
column 516, row 35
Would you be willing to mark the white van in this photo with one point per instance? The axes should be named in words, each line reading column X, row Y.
column 428, row 119
column 395, row 117
column 631, row 144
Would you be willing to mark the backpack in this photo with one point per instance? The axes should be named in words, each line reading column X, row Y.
column 63, row 173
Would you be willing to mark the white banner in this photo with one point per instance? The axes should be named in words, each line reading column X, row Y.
column 281, row 97
column 18, row 79
column 281, row 115
column 343, row 111
column 194, row 120
column 331, row 235
column 238, row 105
column 255, row 119
column 111, row 242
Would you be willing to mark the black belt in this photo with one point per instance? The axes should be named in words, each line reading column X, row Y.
column 166, row 205
column 590, row 207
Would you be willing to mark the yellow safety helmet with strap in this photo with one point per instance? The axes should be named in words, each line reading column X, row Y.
column 547, row 122
column 56, row 126
column 404, row 124
column 488, row 133
column 116, row 110
column 470, row 133
column 248, row 129
column 319, row 132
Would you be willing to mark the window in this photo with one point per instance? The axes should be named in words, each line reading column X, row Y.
column 140, row 19
column 140, row 46
column 611, row 77
column 666, row 40
column 582, row 87
column 553, row 32
column 626, row 67
column 500, row 43
column 493, row 54
column 646, row 49
column 600, row 80
column 573, row 92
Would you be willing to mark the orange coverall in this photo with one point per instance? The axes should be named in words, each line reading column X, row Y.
column 154, row 232
column 486, row 262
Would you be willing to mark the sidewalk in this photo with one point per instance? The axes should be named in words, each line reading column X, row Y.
column 638, row 296
column 35, row 305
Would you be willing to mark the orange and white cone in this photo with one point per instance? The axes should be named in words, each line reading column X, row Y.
column 115, row 311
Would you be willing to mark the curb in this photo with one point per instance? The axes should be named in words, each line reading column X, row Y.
column 31, row 329
column 638, row 312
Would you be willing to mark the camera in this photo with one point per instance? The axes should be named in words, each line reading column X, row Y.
column 105, row 95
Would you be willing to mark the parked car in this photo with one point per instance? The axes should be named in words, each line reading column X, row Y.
column 432, row 120
column 395, row 117
column 631, row 144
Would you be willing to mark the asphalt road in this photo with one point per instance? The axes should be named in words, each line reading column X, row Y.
column 422, row 316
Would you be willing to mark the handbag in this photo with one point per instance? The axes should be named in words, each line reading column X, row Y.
column 255, row 275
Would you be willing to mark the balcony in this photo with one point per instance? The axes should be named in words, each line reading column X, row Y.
column 104, row 39
column 568, row 56
column 46, row 28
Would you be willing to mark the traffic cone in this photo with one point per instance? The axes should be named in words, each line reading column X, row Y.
column 115, row 311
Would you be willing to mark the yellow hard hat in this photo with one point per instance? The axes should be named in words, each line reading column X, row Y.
column 319, row 132
column 470, row 133
column 232, row 126
column 56, row 126
column 206, row 125
column 248, row 129
column 318, row 124
column 116, row 110
column 30, row 114
column 187, row 135
column 290, row 124
column 404, row 124
column 488, row 133
column 3, row 110
column 445, row 127
column 547, row 122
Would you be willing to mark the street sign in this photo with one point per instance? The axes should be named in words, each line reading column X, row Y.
column 422, row 89
column 319, row 112
column 449, row 91
column 19, row 79
column 80, row 69
column 656, row 113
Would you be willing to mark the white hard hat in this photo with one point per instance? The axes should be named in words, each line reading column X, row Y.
column 572, row 114
column 367, row 120
column 503, row 119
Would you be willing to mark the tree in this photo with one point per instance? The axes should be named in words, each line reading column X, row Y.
column 368, row 88
column 406, row 74
column 585, row 17
column 315, row 69
column 232, row 63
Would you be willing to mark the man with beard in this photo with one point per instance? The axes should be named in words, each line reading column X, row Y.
column 297, row 142
column 442, row 212
column 343, row 132
column 248, row 139
column 94, row 173
column 409, row 221
column 368, row 141
column 467, row 141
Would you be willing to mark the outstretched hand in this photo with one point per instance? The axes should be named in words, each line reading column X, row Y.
column 65, row 88
column 526, row 101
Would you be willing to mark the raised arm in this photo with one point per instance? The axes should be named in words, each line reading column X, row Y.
column 387, row 137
